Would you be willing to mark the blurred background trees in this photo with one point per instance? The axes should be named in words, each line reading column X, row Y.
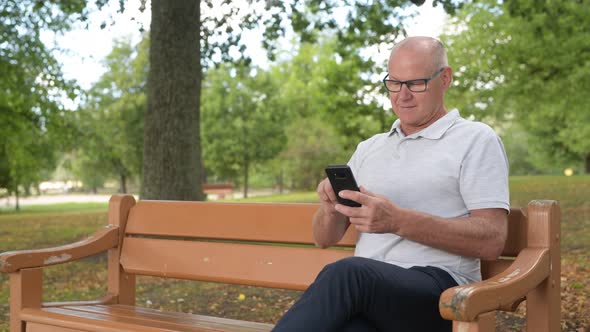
column 524, row 66
column 521, row 66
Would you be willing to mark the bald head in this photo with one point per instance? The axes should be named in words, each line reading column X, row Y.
column 427, row 47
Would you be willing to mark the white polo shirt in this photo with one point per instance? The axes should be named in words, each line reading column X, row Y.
column 445, row 170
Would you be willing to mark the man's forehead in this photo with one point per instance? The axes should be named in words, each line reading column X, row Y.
column 409, row 68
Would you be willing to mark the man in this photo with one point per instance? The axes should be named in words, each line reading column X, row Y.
column 434, row 195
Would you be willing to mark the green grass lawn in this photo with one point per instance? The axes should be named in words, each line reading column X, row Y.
column 45, row 226
column 60, row 207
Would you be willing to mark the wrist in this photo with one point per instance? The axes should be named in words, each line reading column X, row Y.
column 400, row 220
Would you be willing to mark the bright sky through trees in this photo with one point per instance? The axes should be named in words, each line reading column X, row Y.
column 83, row 50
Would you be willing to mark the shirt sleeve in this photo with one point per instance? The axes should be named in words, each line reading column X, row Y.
column 484, row 174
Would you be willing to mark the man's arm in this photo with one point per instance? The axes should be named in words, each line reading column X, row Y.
column 482, row 234
column 329, row 225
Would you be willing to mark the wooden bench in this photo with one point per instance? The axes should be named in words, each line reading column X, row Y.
column 220, row 190
column 236, row 243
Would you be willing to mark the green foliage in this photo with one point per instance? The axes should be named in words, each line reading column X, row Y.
column 318, row 82
column 516, row 143
column 321, row 96
column 110, row 121
column 243, row 124
column 32, row 120
column 221, row 29
column 365, row 23
column 528, row 61
column 32, row 83
column 312, row 144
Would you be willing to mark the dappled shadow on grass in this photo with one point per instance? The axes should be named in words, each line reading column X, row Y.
column 36, row 231
column 82, row 280
column 256, row 304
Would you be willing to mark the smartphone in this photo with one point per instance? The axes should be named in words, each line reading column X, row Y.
column 341, row 178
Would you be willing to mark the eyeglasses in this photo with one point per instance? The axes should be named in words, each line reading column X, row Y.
column 417, row 85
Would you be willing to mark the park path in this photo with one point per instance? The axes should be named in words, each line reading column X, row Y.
column 7, row 202
column 54, row 199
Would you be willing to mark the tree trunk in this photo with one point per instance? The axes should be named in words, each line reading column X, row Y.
column 123, row 183
column 172, row 147
column 280, row 181
column 17, row 206
column 246, row 166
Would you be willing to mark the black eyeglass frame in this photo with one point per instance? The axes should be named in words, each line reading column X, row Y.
column 411, row 83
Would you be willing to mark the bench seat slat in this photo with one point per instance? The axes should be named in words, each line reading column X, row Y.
column 36, row 327
column 231, row 221
column 179, row 316
column 171, row 317
column 236, row 263
column 130, row 318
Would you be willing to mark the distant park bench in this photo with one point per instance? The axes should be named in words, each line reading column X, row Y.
column 220, row 190
column 236, row 243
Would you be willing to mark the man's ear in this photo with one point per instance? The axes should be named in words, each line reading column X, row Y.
column 447, row 77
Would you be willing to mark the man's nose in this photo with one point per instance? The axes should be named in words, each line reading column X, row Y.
column 405, row 92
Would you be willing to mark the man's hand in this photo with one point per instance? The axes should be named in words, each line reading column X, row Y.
column 376, row 215
column 327, row 197
column 329, row 225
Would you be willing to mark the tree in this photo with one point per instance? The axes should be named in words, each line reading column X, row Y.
column 320, row 90
column 312, row 144
column 243, row 123
column 336, row 90
column 528, row 61
column 172, row 148
column 181, row 33
column 111, row 119
column 33, row 123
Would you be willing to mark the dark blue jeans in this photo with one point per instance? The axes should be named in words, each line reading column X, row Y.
column 360, row 294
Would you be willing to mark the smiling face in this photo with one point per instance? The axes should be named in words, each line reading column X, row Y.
column 416, row 58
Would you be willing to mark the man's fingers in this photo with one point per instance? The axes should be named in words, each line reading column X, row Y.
column 326, row 192
column 329, row 191
column 349, row 211
column 356, row 196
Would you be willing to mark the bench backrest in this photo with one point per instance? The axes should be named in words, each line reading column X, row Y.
column 257, row 244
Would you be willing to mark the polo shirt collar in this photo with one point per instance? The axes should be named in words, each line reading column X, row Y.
column 434, row 131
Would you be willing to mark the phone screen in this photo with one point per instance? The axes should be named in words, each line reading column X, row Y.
column 341, row 178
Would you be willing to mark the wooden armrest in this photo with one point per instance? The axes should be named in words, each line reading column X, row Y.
column 100, row 241
column 465, row 303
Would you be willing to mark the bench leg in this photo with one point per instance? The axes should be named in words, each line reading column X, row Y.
column 26, row 287
column 543, row 304
column 120, row 284
column 484, row 323
column 543, row 308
